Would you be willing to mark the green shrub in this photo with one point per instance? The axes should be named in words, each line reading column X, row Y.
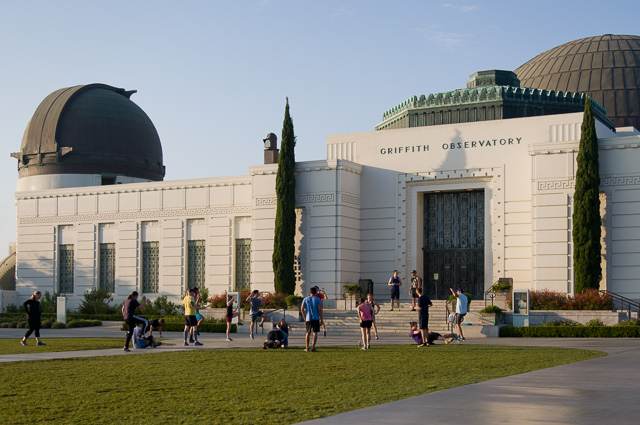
column 630, row 322
column 275, row 300
column 96, row 301
column 11, row 308
column 548, row 300
column 293, row 299
column 561, row 322
column 49, row 303
column 571, row 331
column 4, row 325
column 595, row 322
column 13, row 324
column 162, row 305
column 46, row 324
column 58, row 325
column 22, row 324
column 491, row 309
column 83, row 323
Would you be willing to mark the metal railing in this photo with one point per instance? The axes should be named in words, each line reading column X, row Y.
column 624, row 303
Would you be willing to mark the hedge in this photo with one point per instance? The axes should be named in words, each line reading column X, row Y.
column 570, row 332
column 205, row 327
column 83, row 323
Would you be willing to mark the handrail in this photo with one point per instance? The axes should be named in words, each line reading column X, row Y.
column 622, row 300
column 490, row 291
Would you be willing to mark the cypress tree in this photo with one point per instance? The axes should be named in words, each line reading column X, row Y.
column 284, row 238
column 586, row 208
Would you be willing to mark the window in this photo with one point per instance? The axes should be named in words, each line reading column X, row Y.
column 150, row 267
column 107, row 264
column 65, row 269
column 243, row 264
column 195, row 264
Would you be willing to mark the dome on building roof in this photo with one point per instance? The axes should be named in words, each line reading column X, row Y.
column 91, row 129
column 607, row 67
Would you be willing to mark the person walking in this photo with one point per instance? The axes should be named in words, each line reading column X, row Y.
column 395, row 283
column 190, row 321
column 311, row 309
column 462, row 305
column 375, row 309
column 423, row 316
column 365, row 314
column 128, row 314
column 416, row 282
column 32, row 308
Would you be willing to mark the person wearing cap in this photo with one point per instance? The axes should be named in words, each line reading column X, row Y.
column 416, row 282
column 461, row 310
column 424, row 302
column 395, row 283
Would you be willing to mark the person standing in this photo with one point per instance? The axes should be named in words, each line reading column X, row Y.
column 311, row 309
column 32, row 308
column 416, row 282
column 231, row 313
column 255, row 301
column 375, row 309
column 323, row 296
column 395, row 283
column 128, row 314
column 461, row 310
column 190, row 321
column 365, row 314
column 423, row 316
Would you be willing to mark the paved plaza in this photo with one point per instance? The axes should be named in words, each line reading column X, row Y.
column 598, row 391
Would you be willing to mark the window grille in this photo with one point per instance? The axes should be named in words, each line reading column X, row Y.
column 150, row 267
column 195, row 264
column 65, row 269
column 107, row 264
column 243, row 264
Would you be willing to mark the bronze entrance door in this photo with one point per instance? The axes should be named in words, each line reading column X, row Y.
column 454, row 243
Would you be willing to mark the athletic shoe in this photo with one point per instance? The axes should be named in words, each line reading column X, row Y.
column 421, row 345
column 368, row 347
column 251, row 336
column 377, row 337
column 448, row 340
column 198, row 343
column 124, row 349
column 41, row 344
column 306, row 349
column 23, row 343
column 413, row 309
column 391, row 309
column 186, row 344
column 229, row 340
column 264, row 345
column 363, row 348
column 398, row 309
column 191, row 340
column 313, row 350
column 324, row 333
column 460, row 339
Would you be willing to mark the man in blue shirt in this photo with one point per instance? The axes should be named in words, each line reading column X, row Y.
column 311, row 309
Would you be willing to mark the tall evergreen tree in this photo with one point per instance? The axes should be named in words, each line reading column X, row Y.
column 586, row 208
column 284, row 239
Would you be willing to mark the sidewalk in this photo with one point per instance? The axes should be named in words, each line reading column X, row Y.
column 598, row 391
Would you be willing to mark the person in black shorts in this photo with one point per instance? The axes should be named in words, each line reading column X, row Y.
column 423, row 315
column 394, row 284
column 156, row 324
column 231, row 313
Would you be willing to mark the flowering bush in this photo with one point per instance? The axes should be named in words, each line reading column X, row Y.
column 220, row 301
column 590, row 299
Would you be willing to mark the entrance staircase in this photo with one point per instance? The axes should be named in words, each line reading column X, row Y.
column 346, row 322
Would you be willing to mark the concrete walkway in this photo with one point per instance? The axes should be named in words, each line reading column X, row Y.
column 598, row 391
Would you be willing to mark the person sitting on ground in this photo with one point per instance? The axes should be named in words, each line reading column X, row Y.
column 140, row 341
column 156, row 324
column 415, row 333
column 431, row 336
column 278, row 337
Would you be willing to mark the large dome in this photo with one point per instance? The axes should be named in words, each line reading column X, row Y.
column 607, row 67
column 91, row 129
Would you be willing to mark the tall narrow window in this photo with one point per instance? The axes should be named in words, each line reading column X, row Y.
column 150, row 267
column 195, row 264
column 65, row 269
column 107, row 265
column 243, row 264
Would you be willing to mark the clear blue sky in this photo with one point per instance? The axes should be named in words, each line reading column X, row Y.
column 213, row 75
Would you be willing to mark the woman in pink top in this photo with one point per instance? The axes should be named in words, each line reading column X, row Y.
column 366, row 319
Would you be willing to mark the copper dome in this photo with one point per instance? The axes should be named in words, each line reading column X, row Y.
column 607, row 67
column 91, row 129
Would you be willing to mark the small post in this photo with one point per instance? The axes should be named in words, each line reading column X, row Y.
column 61, row 302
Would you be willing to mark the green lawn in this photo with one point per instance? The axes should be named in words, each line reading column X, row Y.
column 12, row 345
column 250, row 386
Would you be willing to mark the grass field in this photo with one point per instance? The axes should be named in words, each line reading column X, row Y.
column 12, row 345
column 250, row 386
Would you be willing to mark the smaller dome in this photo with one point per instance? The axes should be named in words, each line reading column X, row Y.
column 91, row 129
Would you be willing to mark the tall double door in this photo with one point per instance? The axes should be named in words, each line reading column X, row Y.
column 454, row 243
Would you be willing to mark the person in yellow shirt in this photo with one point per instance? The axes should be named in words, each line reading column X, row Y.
column 190, row 320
